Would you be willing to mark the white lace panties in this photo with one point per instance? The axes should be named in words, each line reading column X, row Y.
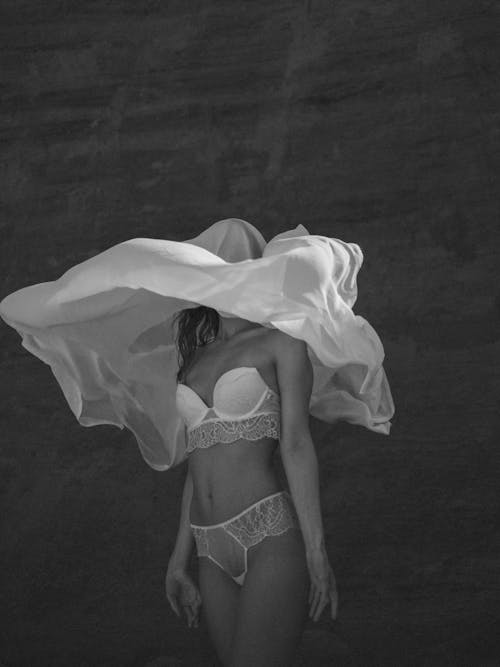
column 227, row 543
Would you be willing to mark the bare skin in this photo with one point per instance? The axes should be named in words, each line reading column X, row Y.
column 229, row 478
column 260, row 623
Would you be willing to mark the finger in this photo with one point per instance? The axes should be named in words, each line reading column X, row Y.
column 194, row 614
column 313, row 600
column 322, row 604
column 322, row 596
column 189, row 615
column 313, row 590
column 174, row 605
column 335, row 601
column 318, row 594
column 314, row 604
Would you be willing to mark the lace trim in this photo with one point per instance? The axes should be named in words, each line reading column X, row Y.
column 201, row 540
column 271, row 516
column 253, row 428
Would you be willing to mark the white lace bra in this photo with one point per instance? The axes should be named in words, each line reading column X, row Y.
column 244, row 406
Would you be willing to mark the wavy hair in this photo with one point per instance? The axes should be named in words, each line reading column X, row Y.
column 195, row 327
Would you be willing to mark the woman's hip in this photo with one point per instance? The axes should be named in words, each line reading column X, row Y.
column 273, row 514
column 227, row 542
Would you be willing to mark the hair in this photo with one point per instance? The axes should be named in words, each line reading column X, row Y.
column 195, row 327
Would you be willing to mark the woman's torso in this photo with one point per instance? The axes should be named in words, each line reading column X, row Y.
column 227, row 477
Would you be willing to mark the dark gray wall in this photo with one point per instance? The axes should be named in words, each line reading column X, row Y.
column 375, row 121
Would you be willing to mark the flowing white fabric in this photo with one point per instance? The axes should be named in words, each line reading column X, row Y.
column 105, row 326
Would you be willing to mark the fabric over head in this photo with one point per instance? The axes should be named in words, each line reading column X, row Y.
column 105, row 326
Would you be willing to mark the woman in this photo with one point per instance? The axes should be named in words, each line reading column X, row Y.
column 256, row 614
column 266, row 335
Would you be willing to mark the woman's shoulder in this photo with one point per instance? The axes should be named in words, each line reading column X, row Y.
column 280, row 338
column 280, row 343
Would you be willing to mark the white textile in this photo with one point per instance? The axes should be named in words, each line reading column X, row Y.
column 105, row 329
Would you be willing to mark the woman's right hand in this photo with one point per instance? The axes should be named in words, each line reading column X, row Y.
column 183, row 593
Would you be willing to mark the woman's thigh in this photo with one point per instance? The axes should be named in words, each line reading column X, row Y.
column 273, row 608
column 219, row 605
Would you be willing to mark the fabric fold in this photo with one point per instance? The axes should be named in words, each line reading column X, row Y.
column 105, row 326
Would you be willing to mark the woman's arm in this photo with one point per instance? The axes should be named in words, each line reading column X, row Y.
column 295, row 378
column 182, row 592
column 184, row 543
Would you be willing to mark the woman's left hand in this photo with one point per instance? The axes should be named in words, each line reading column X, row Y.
column 323, row 585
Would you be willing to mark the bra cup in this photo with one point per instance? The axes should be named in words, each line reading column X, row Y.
column 189, row 405
column 239, row 393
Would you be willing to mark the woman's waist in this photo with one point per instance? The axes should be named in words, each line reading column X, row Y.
column 221, row 491
column 220, row 508
column 234, row 457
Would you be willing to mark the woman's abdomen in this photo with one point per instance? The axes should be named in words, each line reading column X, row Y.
column 229, row 477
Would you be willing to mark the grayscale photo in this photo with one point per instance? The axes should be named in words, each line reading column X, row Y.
column 249, row 327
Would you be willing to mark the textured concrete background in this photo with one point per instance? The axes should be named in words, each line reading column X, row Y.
column 375, row 121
